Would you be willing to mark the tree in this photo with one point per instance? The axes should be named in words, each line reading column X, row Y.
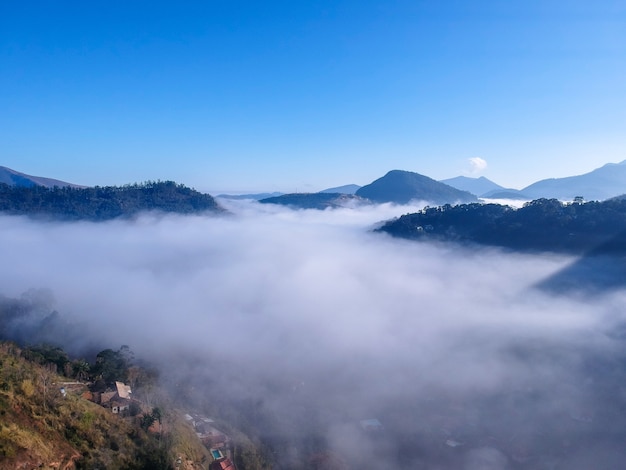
column 80, row 368
column 48, row 355
column 112, row 365
column 147, row 420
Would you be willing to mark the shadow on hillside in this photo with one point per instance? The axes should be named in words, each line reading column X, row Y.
column 599, row 271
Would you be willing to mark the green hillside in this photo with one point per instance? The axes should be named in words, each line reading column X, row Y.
column 541, row 225
column 104, row 203
column 42, row 427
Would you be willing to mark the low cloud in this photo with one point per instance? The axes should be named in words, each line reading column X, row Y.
column 477, row 165
column 307, row 323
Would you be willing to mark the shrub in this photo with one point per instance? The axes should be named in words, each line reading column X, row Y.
column 28, row 388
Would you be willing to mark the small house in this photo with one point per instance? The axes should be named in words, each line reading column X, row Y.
column 119, row 400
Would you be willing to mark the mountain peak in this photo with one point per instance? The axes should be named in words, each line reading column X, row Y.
column 478, row 186
column 401, row 187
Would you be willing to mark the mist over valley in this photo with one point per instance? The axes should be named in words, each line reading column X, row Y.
column 330, row 235
column 334, row 345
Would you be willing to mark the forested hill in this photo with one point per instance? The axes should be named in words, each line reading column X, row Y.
column 541, row 225
column 314, row 200
column 104, row 203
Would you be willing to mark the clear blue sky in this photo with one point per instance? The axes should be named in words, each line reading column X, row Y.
column 229, row 95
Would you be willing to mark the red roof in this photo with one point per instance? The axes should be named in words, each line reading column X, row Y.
column 224, row 464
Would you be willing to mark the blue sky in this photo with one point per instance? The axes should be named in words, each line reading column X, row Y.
column 228, row 95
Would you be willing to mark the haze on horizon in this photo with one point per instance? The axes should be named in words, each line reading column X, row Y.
column 289, row 96
column 306, row 323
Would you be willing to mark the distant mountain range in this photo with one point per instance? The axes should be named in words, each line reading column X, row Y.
column 602, row 183
column 478, row 186
column 255, row 196
column 505, row 194
column 401, row 187
column 346, row 189
column 15, row 178
column 397, row 186
column 484, row 188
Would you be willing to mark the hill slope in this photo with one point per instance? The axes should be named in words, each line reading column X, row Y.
column 541, row 225
column 602, row 183
column 15, row 178
column 401, row 187
column 477, row 186
column 43, row 428
column 103, row 203
column 313, row 200
column 345, row 189
column 254, row 196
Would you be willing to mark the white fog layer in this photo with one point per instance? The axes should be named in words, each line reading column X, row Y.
column 322, row 323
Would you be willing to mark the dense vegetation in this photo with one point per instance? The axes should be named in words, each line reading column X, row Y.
column 541, row 225
column 103, row 203
column 47, row 421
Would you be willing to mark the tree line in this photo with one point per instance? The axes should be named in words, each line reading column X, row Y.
column 103, row 203
column 540, row 225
